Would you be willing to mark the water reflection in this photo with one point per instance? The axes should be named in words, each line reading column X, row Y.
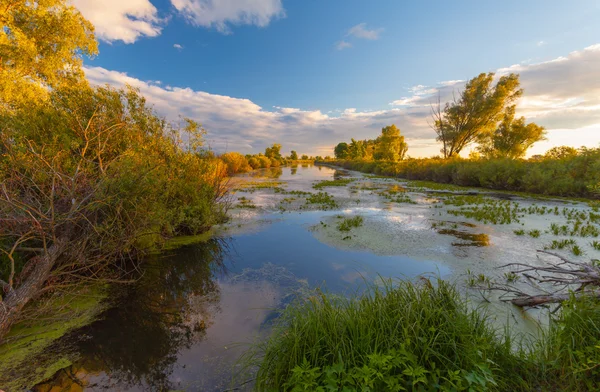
column 136, row 343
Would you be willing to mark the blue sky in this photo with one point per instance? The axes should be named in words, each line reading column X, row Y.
column 317, row 72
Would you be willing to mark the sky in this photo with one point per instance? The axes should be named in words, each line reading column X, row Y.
column 311, row 73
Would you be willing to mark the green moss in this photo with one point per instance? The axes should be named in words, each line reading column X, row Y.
column 25, row 358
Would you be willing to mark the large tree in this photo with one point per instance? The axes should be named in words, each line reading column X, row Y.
column 341, row 150
column 512, row 138
column 41, row 45
column 390, row 145
column 475, row 112
column 293, row 155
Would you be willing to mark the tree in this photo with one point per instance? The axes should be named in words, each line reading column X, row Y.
column 273, row 152
column 390, row 145
column 294, row 155
column 341, row 151
column 561, row 152
column 512, row 138
column 41, row 45
column 475, row 113
column 357, row 149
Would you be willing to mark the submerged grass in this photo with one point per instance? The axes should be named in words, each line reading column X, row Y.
column 423, row 337
column 348, row 223
column 339, row 182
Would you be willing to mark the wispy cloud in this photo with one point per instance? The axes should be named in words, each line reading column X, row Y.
column 341, row 45
column 121, row 20
column 562, row 95
column 178, row 47
column 361, row 31
column 222, row 14
column 541, row 43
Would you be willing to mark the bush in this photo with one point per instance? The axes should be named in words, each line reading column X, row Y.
column 568, row 175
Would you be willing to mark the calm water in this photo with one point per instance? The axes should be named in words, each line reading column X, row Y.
column 184, row 325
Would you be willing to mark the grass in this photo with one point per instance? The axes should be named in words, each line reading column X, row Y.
column 348, row 223
column 326, row 183
column 407, row 337
column 534, row 233
column 595, row 245
column 244, row 202
column 323, row 199
column 519, row 232
column 423, row 337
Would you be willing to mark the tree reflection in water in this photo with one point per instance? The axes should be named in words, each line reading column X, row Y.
column 136, row 342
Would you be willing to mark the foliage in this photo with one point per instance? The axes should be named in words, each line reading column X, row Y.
column 341, row 150
column 390, row 145
column 236, row 163
column 475, row 113
column 512, row 138
column 574, row 175
column 293, row 155
column 424, row 337
column 40, row 48
column 409, row 337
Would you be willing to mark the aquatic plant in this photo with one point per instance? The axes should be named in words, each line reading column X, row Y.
column 519, row 232
column 348, row 223
column 326, row 183
column 534, row 233
column 323, row 199
column 595, row 245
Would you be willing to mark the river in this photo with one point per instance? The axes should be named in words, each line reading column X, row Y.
column 196, row 309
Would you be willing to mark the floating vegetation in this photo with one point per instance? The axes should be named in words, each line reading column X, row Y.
column 324, row 199
column 576, row 250
column 340, row 182
column 470, row 238
column 595, row 245
column 534, row 233
column 396, row 194
column 562, row 244
column 244, row 202
column 348, row 223
column 519, row 232
column 575, row 228
column 511, row 277
column 253, row 186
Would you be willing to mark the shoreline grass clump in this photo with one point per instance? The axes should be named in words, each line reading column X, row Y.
column 423, row 337
column 412, row 336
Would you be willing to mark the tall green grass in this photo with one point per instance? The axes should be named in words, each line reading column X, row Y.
column 423, row 336
column 392, row 338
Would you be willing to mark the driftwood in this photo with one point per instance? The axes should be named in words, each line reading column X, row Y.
column 566, row 277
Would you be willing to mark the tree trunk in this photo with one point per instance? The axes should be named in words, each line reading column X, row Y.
column 536, row 300
column 16, row 299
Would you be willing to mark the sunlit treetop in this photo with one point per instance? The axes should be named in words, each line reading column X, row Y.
column 41, row 46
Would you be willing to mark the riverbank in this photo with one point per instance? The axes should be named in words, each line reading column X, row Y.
column 570, row 176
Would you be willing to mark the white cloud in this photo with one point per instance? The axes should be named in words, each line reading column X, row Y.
column 221, row 14
column 178, row 47
column 541, row 43
column 341, row 45
column 121, row 20
column 361, row 31
column 562, row 95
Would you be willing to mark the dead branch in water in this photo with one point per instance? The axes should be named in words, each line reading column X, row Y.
column 565, row 278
